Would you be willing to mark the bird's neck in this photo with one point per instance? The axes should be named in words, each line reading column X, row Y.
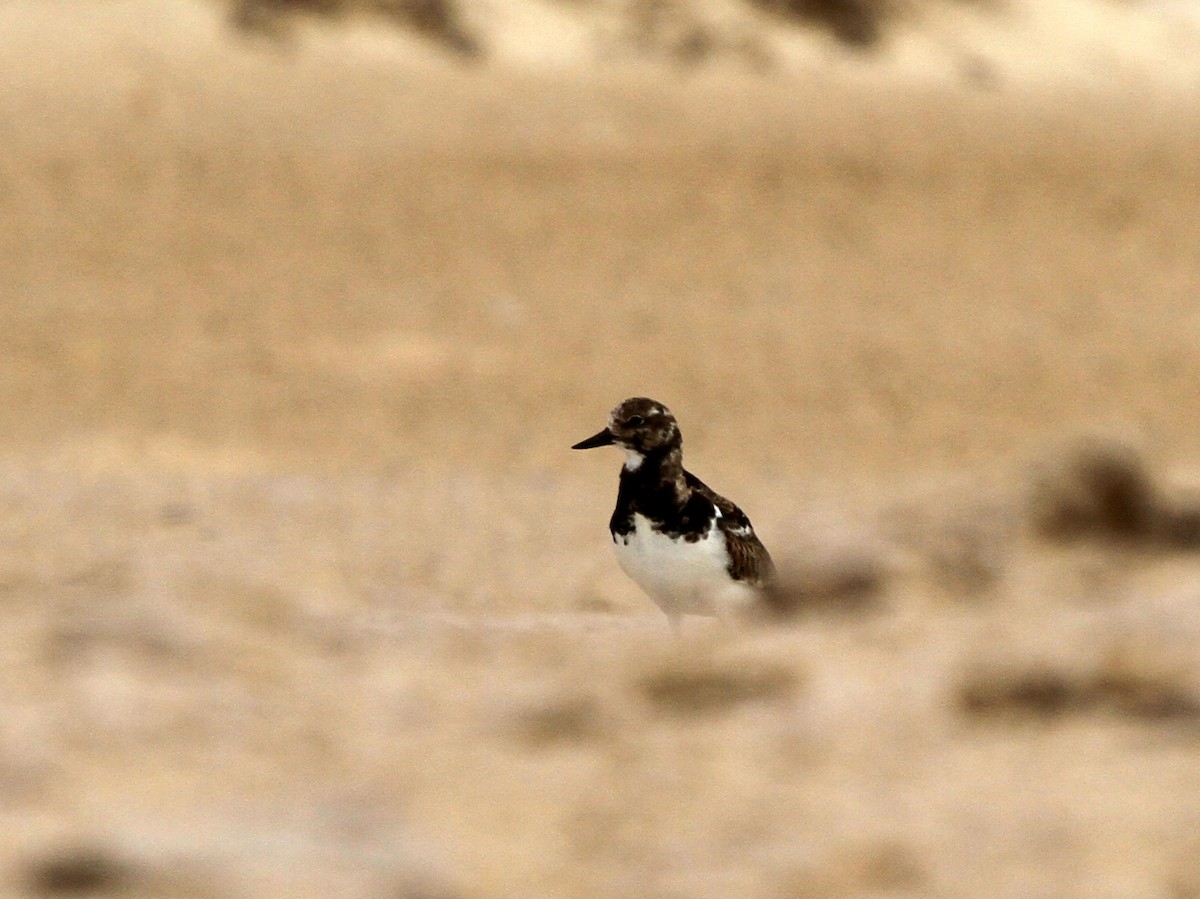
column 658, row 473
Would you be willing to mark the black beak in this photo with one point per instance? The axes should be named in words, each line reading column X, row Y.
column 604, row 438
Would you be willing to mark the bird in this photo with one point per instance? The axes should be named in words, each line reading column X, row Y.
column 693, row 551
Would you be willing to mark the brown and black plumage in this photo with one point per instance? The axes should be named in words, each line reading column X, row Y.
column 691, row 549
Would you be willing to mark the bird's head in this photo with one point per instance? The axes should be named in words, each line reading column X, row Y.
column 640, row 426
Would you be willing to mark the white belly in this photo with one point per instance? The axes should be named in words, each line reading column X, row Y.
column 681, row 577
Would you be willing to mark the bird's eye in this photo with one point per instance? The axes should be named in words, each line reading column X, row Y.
column 636, row 421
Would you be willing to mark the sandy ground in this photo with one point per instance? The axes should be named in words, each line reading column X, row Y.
column 304, row 594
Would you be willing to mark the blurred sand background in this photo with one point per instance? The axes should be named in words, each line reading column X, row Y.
column 303, row 593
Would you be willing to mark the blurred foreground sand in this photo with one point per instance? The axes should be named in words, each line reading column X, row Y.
column 304, row 595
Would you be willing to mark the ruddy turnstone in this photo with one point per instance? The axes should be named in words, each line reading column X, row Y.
column 691, row 549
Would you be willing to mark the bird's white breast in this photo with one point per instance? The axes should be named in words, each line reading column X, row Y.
column 681, row 577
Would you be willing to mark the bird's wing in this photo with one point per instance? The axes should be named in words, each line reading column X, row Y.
column 749, row 560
